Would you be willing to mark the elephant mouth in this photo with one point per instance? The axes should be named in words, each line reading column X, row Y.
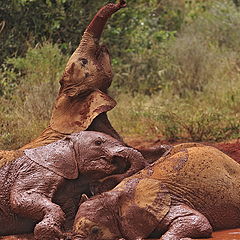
column 121, row 164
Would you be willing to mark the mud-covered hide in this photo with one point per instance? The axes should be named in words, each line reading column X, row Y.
column 46, row 137
column 41, row 190
column 189, row 192
column 83, row 93
column 87, row 76
column 74, row 114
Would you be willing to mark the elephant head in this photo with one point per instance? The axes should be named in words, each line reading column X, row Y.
column 91, row 154
column 86, row 78
column 131, row 210
column 90, row 63
column 97, row 218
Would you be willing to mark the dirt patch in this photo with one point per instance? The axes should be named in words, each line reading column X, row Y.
column 231, row 148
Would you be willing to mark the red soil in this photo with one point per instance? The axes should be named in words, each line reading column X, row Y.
column 231, row 148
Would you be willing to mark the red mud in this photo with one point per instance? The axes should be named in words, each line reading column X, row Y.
column 19, row 237
column 233, row 234
column 231, row 148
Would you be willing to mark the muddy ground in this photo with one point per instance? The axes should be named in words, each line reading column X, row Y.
column 231, row 148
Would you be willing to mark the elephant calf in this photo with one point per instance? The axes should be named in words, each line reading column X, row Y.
column 40, row 191
column 184, row 195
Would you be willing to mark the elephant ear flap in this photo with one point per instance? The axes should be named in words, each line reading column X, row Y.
column 58, row 157
column 152, row 195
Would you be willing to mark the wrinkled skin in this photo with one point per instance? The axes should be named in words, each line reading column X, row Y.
column 82, row 101
column 184, row 195
column 82, row 104
column 40, row 191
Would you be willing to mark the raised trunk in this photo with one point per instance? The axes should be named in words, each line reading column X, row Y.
column 95, row 28
column 88, row 69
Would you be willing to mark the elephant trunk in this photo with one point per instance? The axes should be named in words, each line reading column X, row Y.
column 92, row 34
column 129, row 157
column 136, row 161
column 95, row 28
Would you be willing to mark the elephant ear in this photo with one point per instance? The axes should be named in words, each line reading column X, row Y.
column 152, row 195
column 147, row 199
column 58, row 157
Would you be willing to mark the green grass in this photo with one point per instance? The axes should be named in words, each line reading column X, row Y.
column 29, row 88
column 199, row 118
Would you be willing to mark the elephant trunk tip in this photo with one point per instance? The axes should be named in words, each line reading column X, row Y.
column 97, row 24
column 122, row 164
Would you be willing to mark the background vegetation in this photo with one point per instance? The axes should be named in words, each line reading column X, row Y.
column 176, row 64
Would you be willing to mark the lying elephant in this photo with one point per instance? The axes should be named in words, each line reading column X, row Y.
column 41, row 189
column 186, row 194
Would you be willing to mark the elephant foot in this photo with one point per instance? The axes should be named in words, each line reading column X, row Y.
column 47, row 231
column 152, row 154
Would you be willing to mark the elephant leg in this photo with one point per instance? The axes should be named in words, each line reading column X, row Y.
column 184, row 223
column 151, row 154
column 102, row 124
column 38, row 207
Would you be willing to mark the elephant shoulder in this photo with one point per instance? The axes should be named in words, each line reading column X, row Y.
column 58, row 157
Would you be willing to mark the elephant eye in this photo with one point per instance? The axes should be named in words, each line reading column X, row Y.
column 95, row 230
column 98, row 142
column 83, row 61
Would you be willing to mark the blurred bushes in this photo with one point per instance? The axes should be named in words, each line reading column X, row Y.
column 187, row 59
column 29, row 89
column 58, row 21
column 176, row 65
column 167, row 117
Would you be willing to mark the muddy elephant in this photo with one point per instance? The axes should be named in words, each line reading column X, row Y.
column 40, row 191
column 186, row 194
column 82, row 102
